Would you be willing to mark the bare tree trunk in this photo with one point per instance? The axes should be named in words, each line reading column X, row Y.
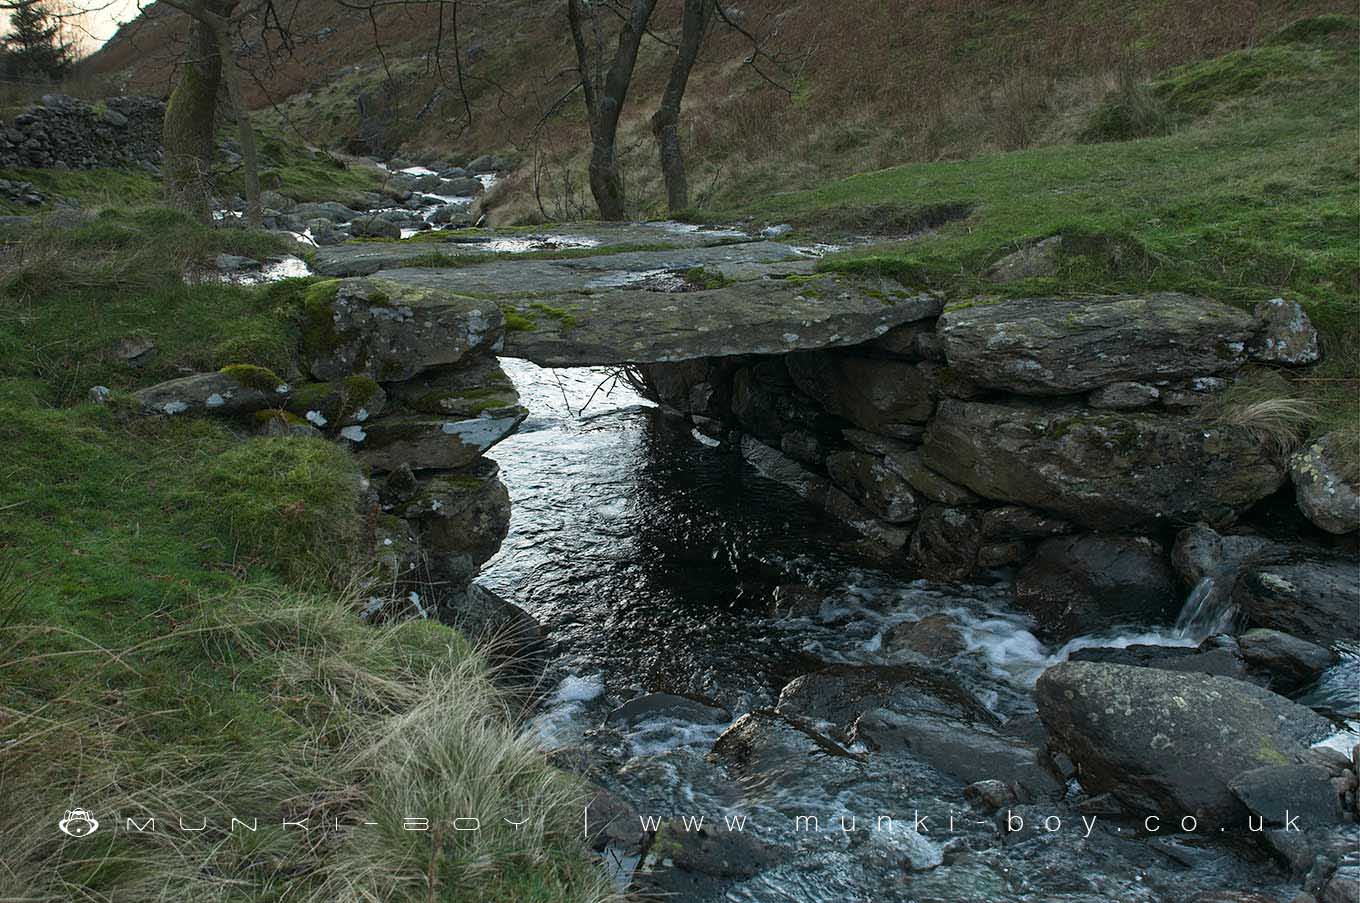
column 666, row 119
column 246, row 134
column 187, row 133
column 604, row 101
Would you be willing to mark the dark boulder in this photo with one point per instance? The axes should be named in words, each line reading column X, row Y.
column 1289, row 662
column 841, row 693
column 1278, row 792
column 1305, row 593
column 1080, row 584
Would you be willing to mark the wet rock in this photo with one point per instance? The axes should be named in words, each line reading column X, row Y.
column 869, row 481
column 804, row 447
column 1343, row 886
column 1275, row 792
column 927, row 482
column 452, row 215
column 1045, row 346
column 684, row 864
column 841, row 693
column 946, row 542
column 341, row 402
column 1106, row 471
column 1200, row 551
column 666, row 705
column 237, row 391
column 611, row 822
column 488, row 163
column 1011, row 523
column 1286, row 335
column 464, row 186
column 967, row 751
column 1218, row 656
column 990, row 795
column 1124, row 396
column 505, row 630
column 1232, row 896
column 392, row 332
column 1080, row 584
column 374, row 227
column 778, row 747
column 793, row 600
column 935, row 636
column 693, row 387
column 327, row 210
column 885, row 539
column 461, row 519
column 1290, row 663
column 1307, row 594
column 1038, row 260
column 1321, row 487
column 466, row 389
column 229, row 264
column 1169, row 742
column 999, row 554
column 876, row 394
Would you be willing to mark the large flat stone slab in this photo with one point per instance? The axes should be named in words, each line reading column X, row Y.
column 606, row 272
column 766, row 316
column 357, row 258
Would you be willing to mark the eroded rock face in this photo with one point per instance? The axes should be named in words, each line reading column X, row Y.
column 1104, row 471
column 946, row 542
column 391, row 332
column 870, row 482
column 1321, row 487
column 467, row 389
column 1046, row 346
column 1080, row 584
column 460, row 518
column 876, row 394
column 1168, row 742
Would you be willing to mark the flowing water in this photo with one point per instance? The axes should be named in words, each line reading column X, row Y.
column 651, row 558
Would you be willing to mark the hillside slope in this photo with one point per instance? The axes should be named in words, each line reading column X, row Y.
column 870, row 86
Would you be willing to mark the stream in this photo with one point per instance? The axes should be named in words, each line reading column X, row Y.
column 651, row 557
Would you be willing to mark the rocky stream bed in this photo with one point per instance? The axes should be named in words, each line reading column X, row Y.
column 836, row 591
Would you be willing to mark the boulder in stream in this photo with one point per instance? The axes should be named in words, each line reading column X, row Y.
column 1325, row 483
column 1081, row 584
column 1307, row 593
column 1167, row 742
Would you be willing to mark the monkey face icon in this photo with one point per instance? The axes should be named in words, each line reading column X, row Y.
column 78, row 823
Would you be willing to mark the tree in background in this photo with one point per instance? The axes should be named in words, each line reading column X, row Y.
column 666, row 120
column 34, row 48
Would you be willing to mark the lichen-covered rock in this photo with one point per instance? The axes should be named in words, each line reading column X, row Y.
column 232, row 391
column 392, row 332
column 1170, row 742
column 1080, row 584
column 461, row 519
column 1011, row 523
column 873, row 484
column 342, row 402
column 1286, row 334
column 466, row 389
column 1049, row 346
column 1103, row 470
column 1124, row 396
column 876, row 394
column 1321, row 487
column 429, row 443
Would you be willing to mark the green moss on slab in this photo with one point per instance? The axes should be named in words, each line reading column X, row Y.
column 561, row 315
column 517, row 321
column 252, row 377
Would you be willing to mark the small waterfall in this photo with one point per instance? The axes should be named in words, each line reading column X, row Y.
column 1208, row 610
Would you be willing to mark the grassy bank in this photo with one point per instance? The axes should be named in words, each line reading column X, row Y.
column 178, row 624
column 1242, row 187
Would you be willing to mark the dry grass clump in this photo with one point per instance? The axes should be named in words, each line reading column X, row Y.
column 1264, row 405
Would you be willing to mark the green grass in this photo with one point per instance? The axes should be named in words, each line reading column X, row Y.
column 1253, row 198
column 179, row 629
column 92, row 188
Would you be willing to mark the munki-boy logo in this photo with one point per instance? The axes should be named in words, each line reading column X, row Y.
column 78, row 823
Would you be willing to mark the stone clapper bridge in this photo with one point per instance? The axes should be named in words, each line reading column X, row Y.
column 963, row 438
